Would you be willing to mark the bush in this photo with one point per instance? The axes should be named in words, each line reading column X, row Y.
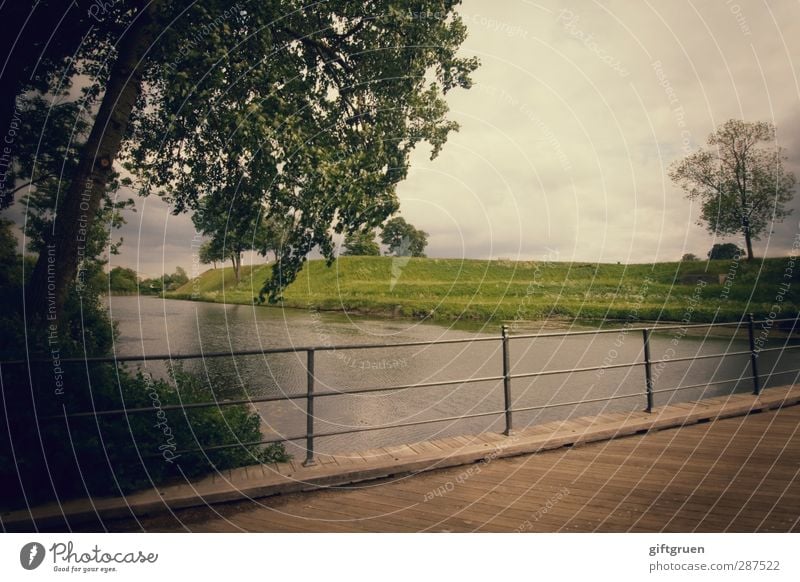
column 45, row 456
column 58, row 458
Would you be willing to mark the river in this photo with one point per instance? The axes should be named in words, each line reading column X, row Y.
column 150, row 326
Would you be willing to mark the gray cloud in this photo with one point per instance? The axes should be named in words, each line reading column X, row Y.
column 569, row 131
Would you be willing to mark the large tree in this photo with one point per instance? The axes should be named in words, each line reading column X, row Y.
column 321, row 127
column 44, row 45
column 82, row 198
column 318, row 108
column 739, row 180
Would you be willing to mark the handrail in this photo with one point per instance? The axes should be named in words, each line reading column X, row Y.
column 310, row 395
column 325, row 347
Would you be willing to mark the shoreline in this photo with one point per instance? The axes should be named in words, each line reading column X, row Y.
column 554, row 322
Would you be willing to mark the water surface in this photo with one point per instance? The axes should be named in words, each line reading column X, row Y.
column 152, row 326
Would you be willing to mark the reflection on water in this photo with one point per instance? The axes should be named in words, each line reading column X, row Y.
column 152, row 326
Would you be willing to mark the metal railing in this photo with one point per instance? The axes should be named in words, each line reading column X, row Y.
column 507, row 377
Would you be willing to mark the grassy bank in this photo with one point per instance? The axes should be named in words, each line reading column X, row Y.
column 507, row 290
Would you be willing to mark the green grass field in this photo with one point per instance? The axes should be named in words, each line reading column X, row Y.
column 505, row 290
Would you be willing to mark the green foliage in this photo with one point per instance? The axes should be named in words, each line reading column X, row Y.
column 402, row 239
column 38, row 61
column 740, row 180
column 725, row 251
column 690, row 257
column 42, row 455
column 506, row 290
column 48, row 458
column 114, row 455
column 361, row 243
column 166, row 282
column 311, row 131
column 210, row 253
column 123, row 281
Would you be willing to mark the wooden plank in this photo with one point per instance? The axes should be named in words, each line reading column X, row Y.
column 712, row 458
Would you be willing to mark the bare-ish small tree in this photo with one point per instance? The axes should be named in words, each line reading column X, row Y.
column 740, row 180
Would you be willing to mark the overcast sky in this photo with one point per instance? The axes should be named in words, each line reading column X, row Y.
column 577, row 112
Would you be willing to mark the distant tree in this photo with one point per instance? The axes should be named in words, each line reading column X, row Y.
column 178, row 278
column 123, row 280
column 740, row 180
column 271, row 235
column 153, row 286
column 167, row 282
column 210, row 254
column 361, row 243
column 725, row 251
column 402, row 239
column 234, row 222
column 690, row 257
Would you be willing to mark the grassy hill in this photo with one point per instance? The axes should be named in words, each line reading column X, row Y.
column 508, row 290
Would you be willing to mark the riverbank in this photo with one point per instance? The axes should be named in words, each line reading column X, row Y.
column 480, row 290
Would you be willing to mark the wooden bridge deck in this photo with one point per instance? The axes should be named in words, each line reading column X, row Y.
column 722, row 468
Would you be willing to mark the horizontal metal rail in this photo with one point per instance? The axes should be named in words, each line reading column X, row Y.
column 310, row 395
column 266, row 351
column 654, row 329
column 718, row 382
column 39, row 358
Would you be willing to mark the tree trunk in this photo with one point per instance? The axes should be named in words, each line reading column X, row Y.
column 56, row 270
column 748, row 242
column 236, row 260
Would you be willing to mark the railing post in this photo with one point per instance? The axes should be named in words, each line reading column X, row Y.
column 507, row 380
column 648, row 370
column 753, row 354
column 310, row 410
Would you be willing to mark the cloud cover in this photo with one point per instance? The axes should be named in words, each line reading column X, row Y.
column 576, row 114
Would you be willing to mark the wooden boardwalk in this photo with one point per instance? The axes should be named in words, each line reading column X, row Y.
column 721, row 467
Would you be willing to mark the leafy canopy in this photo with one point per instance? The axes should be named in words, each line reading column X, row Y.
column 304, row 114
column 740, row 180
